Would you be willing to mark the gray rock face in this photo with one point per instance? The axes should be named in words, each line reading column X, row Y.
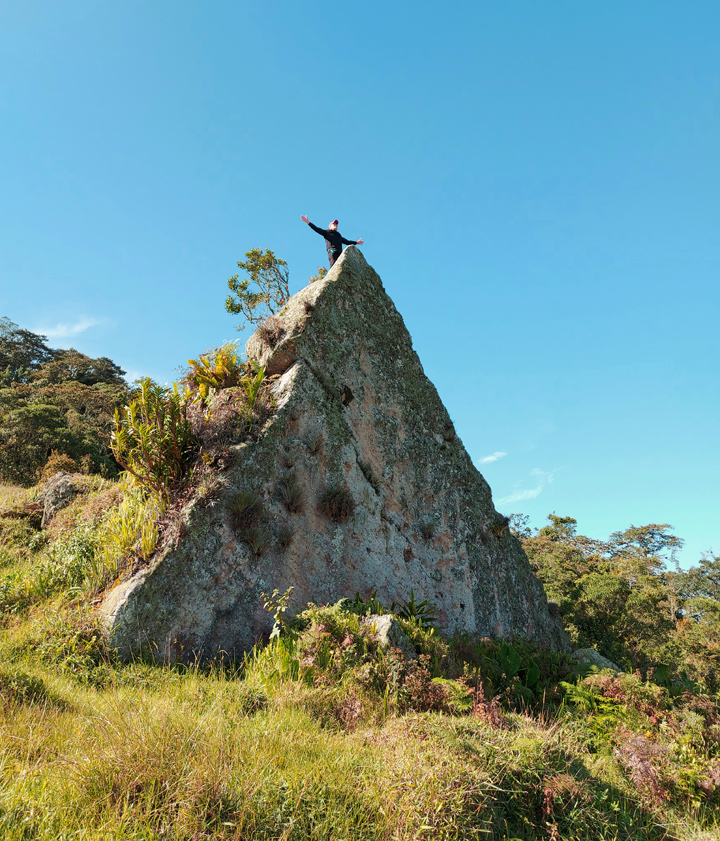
column 385, row 497
column 58, row 493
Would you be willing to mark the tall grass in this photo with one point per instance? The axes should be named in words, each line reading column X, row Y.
column 129, row 530
column 87, row 557
column 163, row 754
column 315, row 736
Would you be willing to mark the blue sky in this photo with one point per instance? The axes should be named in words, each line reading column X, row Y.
column 538, row 185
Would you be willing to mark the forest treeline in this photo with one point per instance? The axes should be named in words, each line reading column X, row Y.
column 628, row 598
column 54, row 403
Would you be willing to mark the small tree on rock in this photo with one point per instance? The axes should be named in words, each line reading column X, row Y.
column 263, row 292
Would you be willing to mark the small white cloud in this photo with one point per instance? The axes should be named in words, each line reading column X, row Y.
column 65, row 331
column 520, row 495
column 541, row 479
column 491, row 458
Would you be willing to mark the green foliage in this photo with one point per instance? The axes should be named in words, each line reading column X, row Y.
column 263, row 292
column 73, row 366
column 257, row 538
column 84, row 558
column 245, row 510
column 520, row 526
column 324, row 734
column 560, row 527
column 252, row 386
column 662, row 742
column 321, row 272
column 626, row 598
column 423, row 612
column 58, row 462
column 215, row 370
column 18, row 687
column 365, row 607
column 698, row 592
column 28, row 436
column 291, row 492
column 54, row 400
column 277, row 605
column 74, row 643
column 245, row 513
column 153, row 439
column 21, row 352
column 516, row 672
column 127, row 532
column 615, row 596
column 65, row 566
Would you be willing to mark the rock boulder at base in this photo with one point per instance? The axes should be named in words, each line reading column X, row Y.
column 587, row 658
column 359, row 484
column 389, row 634
column 58, row 493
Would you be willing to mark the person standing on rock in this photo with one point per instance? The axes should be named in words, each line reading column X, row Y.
column 333, row 239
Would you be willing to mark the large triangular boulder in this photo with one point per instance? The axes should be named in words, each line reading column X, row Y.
column 363, row 487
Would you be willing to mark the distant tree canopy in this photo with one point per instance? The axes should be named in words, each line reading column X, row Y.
column 21, row 352
column 627, row 597
column 54, row 401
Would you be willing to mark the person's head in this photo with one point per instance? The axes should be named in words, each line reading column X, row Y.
column 333, row 225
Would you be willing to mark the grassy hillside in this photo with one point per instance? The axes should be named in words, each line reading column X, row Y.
column 321, row 733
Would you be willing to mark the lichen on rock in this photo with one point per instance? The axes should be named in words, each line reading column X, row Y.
column 390, row 499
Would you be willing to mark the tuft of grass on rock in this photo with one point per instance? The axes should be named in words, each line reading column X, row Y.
column 291, row 492
column 245, row 510
column 337, row 503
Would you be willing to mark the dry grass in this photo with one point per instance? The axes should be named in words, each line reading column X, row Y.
column 271, row 331
column 12, row 495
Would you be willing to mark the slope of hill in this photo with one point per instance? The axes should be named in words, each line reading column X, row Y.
column 320, row 733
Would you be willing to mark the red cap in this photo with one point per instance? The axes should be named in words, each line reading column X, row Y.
column 334, row 222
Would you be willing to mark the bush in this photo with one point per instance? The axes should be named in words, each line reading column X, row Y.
column 215, row 370
column 264, row 292
column 58, row 462
column 153, row 439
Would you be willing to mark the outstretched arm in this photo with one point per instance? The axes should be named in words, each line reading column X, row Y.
column 352, row 241
column 314, row 227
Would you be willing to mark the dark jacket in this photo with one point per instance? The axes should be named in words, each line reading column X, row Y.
column 333, row 240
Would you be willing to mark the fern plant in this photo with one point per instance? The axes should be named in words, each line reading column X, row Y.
column 153, row 438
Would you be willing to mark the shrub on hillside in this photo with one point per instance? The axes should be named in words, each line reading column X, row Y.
column 153, row 439
column 58, row 462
